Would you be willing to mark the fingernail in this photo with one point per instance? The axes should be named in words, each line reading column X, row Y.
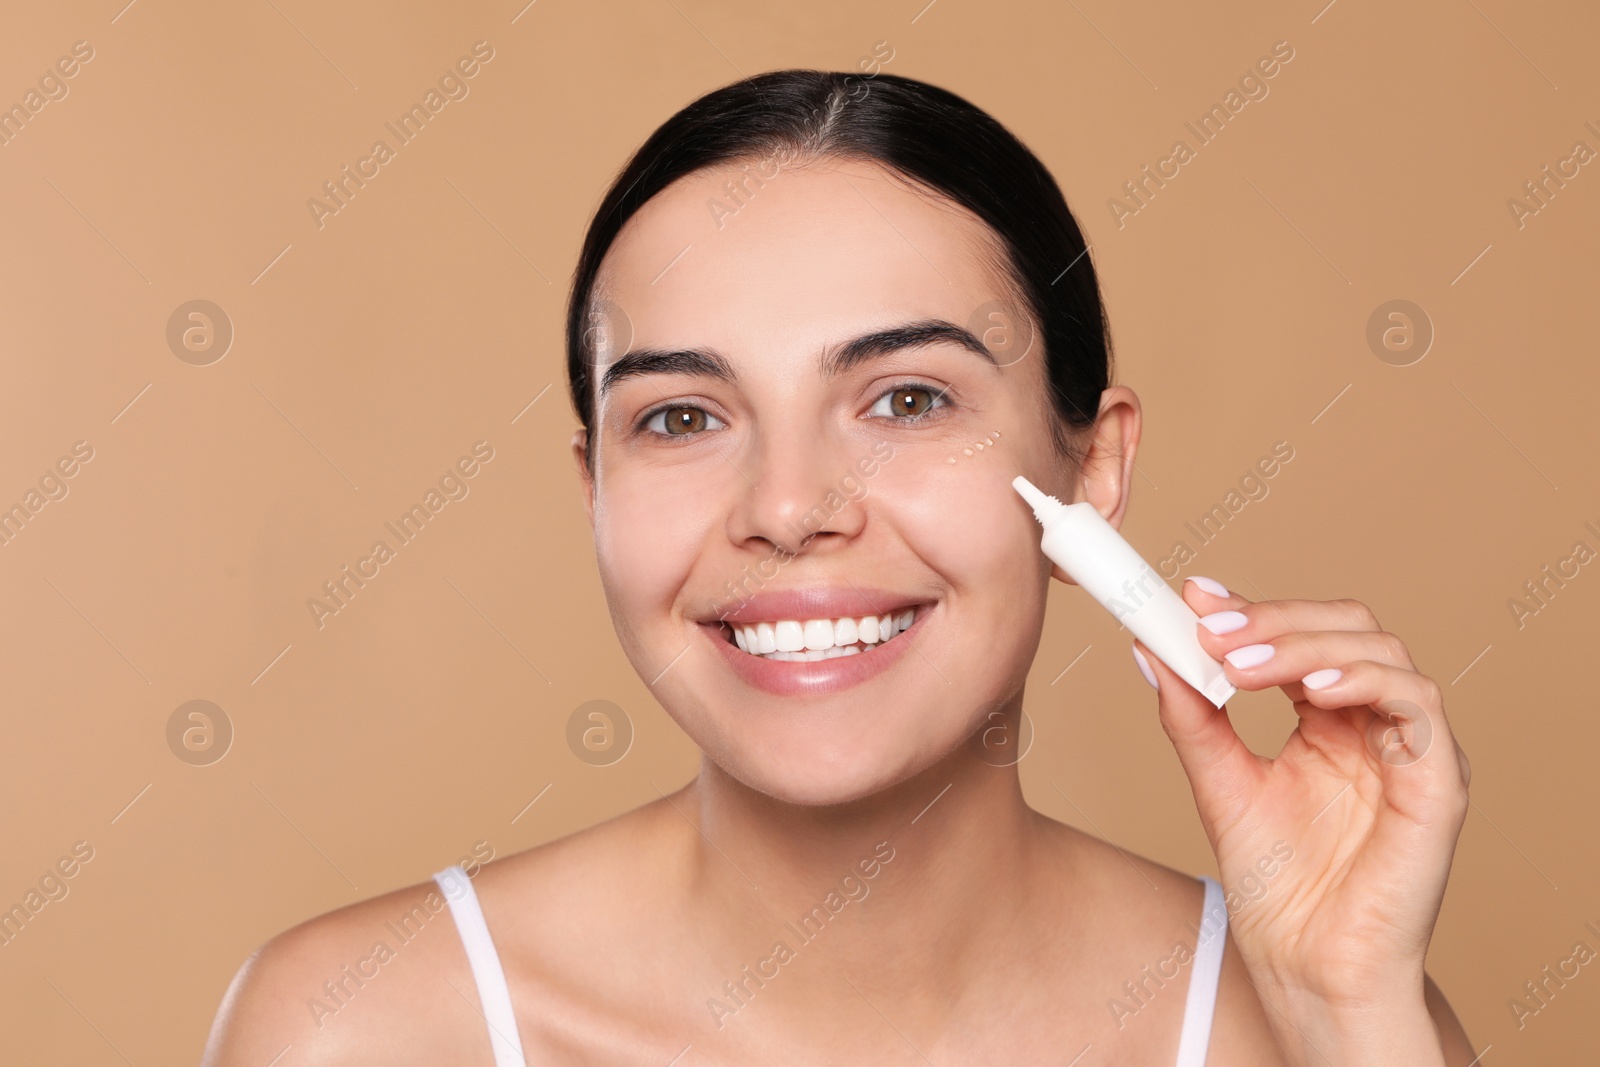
column 1224, row 622
column 1144, row 669
column 1322, row 679
column 1250, row 656
column 1210, row 585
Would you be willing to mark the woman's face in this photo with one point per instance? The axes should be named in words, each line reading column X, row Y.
column 757, row 463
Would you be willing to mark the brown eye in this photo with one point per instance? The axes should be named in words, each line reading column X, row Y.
column 684, row 420
column 907, row 402
column 681, row 421
column 911, row 401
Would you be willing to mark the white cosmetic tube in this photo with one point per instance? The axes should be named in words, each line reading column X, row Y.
column 1096, row 556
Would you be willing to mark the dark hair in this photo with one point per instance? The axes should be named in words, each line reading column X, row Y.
column 921, row 132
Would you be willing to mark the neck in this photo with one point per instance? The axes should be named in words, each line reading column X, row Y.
column 917, row 887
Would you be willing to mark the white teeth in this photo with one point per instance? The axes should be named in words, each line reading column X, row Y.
column 790, row 635
column 794, row 640
column 819, row 634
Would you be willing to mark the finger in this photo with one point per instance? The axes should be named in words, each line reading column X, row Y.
column 1254, row 660
column 1424, row 803
column 1223, row 773
column 1207, row 595
column 1409, row 740
column 1281, row 616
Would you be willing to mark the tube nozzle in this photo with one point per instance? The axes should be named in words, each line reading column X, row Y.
column 1044, row 506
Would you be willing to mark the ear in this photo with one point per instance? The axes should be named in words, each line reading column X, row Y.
column 1105, row 478
column 580, row 440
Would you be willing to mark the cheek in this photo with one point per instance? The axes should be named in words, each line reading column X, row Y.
column 648, row 532
column 963, row 519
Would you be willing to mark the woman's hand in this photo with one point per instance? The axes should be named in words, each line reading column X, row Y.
column 1334, row 854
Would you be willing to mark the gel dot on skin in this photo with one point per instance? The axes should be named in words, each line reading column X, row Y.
column 978, row 446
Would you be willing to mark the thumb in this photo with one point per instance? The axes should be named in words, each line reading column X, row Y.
column 1223, row 773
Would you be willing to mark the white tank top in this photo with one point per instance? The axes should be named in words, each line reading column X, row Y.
column 495, row 996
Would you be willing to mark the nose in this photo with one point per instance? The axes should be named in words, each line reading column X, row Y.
column 801, row 493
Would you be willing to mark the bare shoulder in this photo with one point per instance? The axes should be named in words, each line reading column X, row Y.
column 1144, row 901
column 386, row 980
column 382, row 980
column 1154, row 923
column 588, row 922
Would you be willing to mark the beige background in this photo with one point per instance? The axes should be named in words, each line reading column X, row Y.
column 370, row 353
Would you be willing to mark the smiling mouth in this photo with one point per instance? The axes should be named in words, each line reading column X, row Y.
column 809, row 640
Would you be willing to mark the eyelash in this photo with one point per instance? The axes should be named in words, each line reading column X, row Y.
column 940, row 401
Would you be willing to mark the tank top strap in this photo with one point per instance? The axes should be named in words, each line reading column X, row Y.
column 1203, row 977
column 489, row 976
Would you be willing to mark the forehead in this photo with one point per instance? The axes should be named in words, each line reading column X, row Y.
column 786, row 264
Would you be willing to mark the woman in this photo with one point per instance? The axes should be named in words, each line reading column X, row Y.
column 799, row 309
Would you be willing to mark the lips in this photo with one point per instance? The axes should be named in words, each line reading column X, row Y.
column 819, row 602
column 793, row 675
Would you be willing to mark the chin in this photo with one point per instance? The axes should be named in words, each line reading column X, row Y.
column 813, row 772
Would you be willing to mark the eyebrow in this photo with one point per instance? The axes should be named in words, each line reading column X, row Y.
column 708, row 363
